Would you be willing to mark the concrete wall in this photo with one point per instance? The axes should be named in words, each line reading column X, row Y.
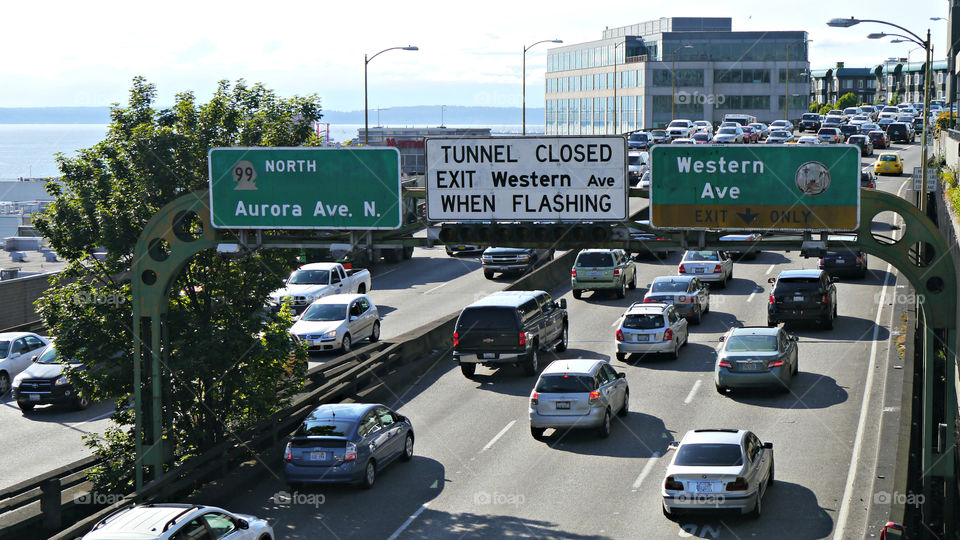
column 948, row 145
column 17, row 297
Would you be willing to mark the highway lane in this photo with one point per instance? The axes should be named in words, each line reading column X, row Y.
column 479, row 473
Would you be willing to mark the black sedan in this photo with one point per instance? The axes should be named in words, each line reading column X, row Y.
column 866, row 146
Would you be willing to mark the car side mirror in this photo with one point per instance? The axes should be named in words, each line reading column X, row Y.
column 242, row 524
column 794, row 338
column 621, row 375
column 35, row 358
column 722, row 338
column 768, row 445
column 772, row 280
column 673, row 446
column 562, row 303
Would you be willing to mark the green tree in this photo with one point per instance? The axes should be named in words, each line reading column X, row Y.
column 814, row 107
column 230, row 364
column 847, row 100
column 895, row 100
column 827, row 107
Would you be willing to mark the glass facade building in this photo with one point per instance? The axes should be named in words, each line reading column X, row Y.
column 643, row 75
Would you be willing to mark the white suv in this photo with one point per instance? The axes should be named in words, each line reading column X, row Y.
column 179, row 522
column 651, row 327
column 681, row 129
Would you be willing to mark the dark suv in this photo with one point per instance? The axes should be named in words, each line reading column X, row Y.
column 803, row 295
column 810, row 122
column 509, row 327
column 639, row 140
column 899, row 131
column 512, row 260
column 848, row 261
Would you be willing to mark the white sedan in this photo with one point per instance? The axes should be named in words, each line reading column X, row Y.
column 336, row 322
column 709, row 266
column 17, row 350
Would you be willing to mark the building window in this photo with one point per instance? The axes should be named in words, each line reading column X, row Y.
column 586, row 126
column 684, row 77
column 796, row 75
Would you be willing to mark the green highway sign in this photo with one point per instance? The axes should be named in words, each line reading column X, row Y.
column 785, row 187
column 305, row 188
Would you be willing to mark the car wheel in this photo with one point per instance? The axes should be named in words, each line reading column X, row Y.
column 532, row 363
column 706, row 308
column 668, row 514
column 4, row 383
column 721, row 389
column 621, row 356
column 375, row 333
column 577, row 293
column 770, row 478
column 468, row 369
column 81, row 403
column 771, row 323
column 26, row 406
column 676, row 351
column 633, row 282
column 562, row 346
column 622, row 291
column 361, row 288
column 699, row 316
column 369, row 475
column 345, row 344
column 758, row 508
column 626, row 404
column 407, row 448
column 488, row 274
column 537, row 432
column 604, row 430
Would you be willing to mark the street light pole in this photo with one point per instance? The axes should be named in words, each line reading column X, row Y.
column 922, row 194
column 524, row 91
column 673, row 86
column 616, row 83
column 366, row 111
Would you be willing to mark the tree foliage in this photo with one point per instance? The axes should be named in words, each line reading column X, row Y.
column 827, row 107
column 847, row 100
column 230, row 363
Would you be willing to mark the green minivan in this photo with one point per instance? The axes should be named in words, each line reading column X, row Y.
column 597, row 269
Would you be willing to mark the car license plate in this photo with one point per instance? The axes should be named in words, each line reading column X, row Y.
column 698, row 270
column 34, row 397
column 318, row 456
column 563, row 404
column 751, row 366
column 316, row 342
column 798, row 298
column 488, row 355
column 641, row 337
column 706, row 487
column 839, row 261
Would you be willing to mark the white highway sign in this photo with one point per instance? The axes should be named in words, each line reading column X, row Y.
column 526, row 179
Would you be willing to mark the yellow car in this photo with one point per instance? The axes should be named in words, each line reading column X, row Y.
column 888, row 163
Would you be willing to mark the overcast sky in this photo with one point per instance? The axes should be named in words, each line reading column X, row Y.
column 85, row 53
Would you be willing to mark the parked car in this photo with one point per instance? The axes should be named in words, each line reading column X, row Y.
column 879, row 138
column 317, row 280
column 509, row 327
column 810, row 122
column 337, row 322
column 829, row 135
column 753, row 356
column 689, row 296
column 799, row 295
column 729, row 135
column 718, row 469
column 867, row 179
column 17, row 349
column 702, row 138
column 639, row 140
column 898, row 131
column 709, row 266
column 866, row 147
column 603, row 269
column 582, row 394
column 347, row 443
column 45, row 382
column 847, row 261
column 785, row 125
column 888, row 163
column 750, row 135
column 762, row 130
column 779, row 136
column 516, row 261
column 173, row 521
column 651, row 328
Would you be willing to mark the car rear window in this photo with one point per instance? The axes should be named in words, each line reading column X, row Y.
column 709, row 455
column 558, row 384
column 595, row 259
column 765, row 343
column 809, row 116
column 789, row 285
column 643, row 321
column 701, row 256
column 323, row 428
column 888, row 157
column 669, row 286
column 487, row 318
column 638, row 137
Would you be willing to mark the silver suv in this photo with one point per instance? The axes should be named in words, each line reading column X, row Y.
column 578, row 394
column 651, row 327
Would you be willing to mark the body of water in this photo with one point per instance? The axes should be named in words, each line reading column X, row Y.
column 28, row 150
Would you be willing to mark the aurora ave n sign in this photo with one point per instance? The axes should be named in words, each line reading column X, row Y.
column 305, row 188
column 545, row 179
column 756, row 187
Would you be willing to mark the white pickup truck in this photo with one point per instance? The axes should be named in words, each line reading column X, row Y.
column 681, row 129
column 316, row 280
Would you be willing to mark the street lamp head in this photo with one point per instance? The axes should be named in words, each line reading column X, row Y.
column 898, row 41
column 687, row 47
column 876, row 35
column 411, row 48
column 556, row 41
column 842, row 23
column 938, row 18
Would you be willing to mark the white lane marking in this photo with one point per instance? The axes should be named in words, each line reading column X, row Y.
column 409, row 520
column 646, row 470
column 693, row 392
column 381, row 274
column 94, row 419
column 861, row 424
column 770, row 269
column 749, row 298
column 497, row 436
column 437, row 287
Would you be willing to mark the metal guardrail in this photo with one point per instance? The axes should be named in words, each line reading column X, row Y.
column 32, row 326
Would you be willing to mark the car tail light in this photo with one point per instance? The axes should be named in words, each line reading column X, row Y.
column 725, row 363
column 740, row 484
column 594, row 397
column 826, row 299
column 573, row 272
column 668, row 335
column 820, row 262
column 716, row 269
column 682, row 270
column 619, row 335
column 859, row 260
column 350, row 453
column 684, row 299
column 456, row 339
column 672, row 484
column 773, row 300
column 288, row 453
column 654, row 300
column 616, row 272
column 522, row 338
column 534, row 398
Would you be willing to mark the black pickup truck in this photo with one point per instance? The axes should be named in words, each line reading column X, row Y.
column 810, row 122
column 509, row 327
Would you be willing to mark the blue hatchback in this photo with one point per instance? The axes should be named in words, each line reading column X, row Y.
column 347, row 443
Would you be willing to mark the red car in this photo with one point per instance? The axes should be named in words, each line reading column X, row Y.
column 879, row 138
column 750, row 134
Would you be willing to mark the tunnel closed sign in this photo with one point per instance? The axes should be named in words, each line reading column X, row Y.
column 526, row 179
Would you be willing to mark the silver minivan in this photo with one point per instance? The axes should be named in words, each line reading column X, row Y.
column 578, row 394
